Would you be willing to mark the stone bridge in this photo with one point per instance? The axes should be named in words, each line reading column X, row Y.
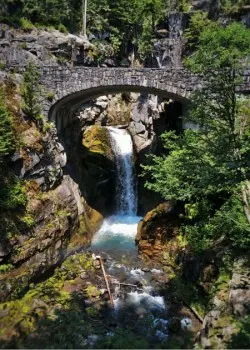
column 73, row 85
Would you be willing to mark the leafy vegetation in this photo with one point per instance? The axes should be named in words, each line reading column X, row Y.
column 7, row 143
column 207, row 167
column 131, row 23
column 233, row 6
column 31, row 92
column 198, row 21
column 241, row 340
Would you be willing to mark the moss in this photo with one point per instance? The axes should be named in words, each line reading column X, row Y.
column 91, row 311
column 92, row 291
column 19, row 317
column 94, row 220
column 96, row 139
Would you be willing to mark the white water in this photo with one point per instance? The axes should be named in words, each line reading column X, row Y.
column 125, row 184
column 117, row 236
column 119, row 231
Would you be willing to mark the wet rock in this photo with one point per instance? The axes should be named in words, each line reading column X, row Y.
column 174, row 324
column 96, row 264
column 105, row 295
column 83, row 276
column 99, row 168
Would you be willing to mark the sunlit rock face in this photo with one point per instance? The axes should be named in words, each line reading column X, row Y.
column 157, row 233
column 55, row 215
column 97, row 168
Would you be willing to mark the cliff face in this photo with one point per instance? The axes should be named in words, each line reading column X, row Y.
column 43, row 47
column 55, row 202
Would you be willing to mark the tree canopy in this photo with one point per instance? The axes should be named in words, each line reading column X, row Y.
column 7, row 143
column 208, row 167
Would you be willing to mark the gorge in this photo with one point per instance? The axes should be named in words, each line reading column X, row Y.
column 132, row 144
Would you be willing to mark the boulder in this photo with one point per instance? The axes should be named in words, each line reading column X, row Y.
column 157, row 232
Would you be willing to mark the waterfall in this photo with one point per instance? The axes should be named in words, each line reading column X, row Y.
column 119, row 230
column 122, row 146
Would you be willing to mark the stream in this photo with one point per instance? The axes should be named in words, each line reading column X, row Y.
column 137, row 302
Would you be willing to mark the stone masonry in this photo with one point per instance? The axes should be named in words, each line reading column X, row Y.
column 72, row 86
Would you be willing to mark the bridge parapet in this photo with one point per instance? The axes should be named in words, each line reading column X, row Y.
column 73, row 85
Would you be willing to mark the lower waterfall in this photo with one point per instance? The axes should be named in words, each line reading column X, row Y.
column 125, row 183
column 119, row 231
column 134, row 291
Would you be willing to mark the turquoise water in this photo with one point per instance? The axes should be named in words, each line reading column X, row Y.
column 117, row 233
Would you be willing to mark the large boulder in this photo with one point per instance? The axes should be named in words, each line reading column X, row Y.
column 157, row 233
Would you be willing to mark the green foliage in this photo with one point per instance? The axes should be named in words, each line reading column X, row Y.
column 131, row 22
column 31, row 91
column 145, row 42
column 198, row 22
column 6, row 268
column 2, row 64
column 50, row 96
column 62, row 60
column 51, row 12
column 233, row 6
column 26, row 24
column 206, row 167
column 28, row 220
column 12, row 195
column 184, row 5
column 241, row 340
column 62, row 28
column 7, row 142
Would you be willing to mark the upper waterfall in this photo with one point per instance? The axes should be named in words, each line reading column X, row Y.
column 126, row 197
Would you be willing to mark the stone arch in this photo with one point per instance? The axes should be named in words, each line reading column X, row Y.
column 62, row 111
column 78, row 84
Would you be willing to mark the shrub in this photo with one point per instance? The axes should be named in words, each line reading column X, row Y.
column 7, row 142
column 25, row 24
column 62, row 28
column 12, row 196
column 5, row 268
column 50, row 96
column 31, row 91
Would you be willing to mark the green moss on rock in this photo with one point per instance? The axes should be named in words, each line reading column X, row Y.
column 96, row 139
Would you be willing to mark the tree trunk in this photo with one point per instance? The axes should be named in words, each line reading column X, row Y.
column 84, row 17
column 246, row 198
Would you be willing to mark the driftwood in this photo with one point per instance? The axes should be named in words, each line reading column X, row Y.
column 193, row 311
column 98, row 257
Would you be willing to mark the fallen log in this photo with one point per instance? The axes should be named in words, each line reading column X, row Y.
column 193, row 311
column 98, row 257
